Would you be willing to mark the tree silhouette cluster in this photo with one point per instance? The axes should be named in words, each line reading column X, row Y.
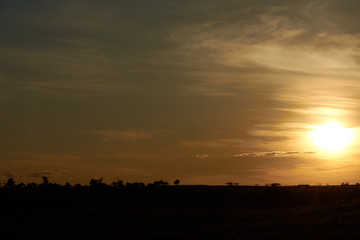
column 93, row 183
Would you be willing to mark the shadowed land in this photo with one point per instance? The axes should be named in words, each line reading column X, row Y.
column 102, row 211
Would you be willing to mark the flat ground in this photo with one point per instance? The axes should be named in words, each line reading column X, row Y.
column 181, row 212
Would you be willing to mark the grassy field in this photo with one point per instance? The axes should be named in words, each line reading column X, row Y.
column 181, row 212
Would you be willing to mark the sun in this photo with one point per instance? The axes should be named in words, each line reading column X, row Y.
column 332, row 137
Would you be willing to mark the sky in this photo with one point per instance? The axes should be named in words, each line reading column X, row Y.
column 204, row 91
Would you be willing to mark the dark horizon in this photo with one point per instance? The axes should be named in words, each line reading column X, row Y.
column 50, row 211
column 11, row 182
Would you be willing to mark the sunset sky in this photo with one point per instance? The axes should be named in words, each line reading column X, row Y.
column 198, row 90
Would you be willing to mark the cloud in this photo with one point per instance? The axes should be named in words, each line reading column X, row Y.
column 45, row 156
column 59, row 71
column 281, row 43
column 41, row 174
column 8, row 174
column 270, row 154
column 218, row 143
column 49, row 173
column 95, row 87
column 131, row 135
column 202, row 156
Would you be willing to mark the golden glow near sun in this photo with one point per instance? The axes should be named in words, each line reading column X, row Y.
column 332, row 137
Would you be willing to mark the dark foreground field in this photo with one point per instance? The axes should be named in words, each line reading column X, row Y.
column 181, row 212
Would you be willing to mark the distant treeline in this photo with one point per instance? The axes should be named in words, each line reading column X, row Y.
column 98, row 183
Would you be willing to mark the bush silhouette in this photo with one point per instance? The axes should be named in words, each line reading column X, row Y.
column 159, row 183
column 45, row 180
column 96, row 182
column 118, row 183
column 10, row 182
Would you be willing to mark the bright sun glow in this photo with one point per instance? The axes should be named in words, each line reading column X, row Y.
column 332, row 137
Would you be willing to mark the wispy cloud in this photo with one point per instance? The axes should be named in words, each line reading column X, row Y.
column 131, row 135
column 270, row 154
column 48, row 173
column 41, row 174
column 45, row 157
column 217, row 143
column 202, row 156
column 8, row 174
column 273, row 47
column 80, row 87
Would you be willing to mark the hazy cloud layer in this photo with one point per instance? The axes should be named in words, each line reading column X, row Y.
column 8, row 174
column 133, row 134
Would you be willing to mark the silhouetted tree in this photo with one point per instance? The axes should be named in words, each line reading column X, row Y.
column 45, row 180
column 159, row 183
column 176, row 182
column 10, row 182
column 230, row 184
column 118, row 183
column 67, row 185
column 95, row 182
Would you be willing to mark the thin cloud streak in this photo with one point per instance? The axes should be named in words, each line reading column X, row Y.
column 270, row 154
column 202, row 156
column 131, row 135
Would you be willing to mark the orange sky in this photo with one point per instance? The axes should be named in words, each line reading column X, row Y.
column 202, row 91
